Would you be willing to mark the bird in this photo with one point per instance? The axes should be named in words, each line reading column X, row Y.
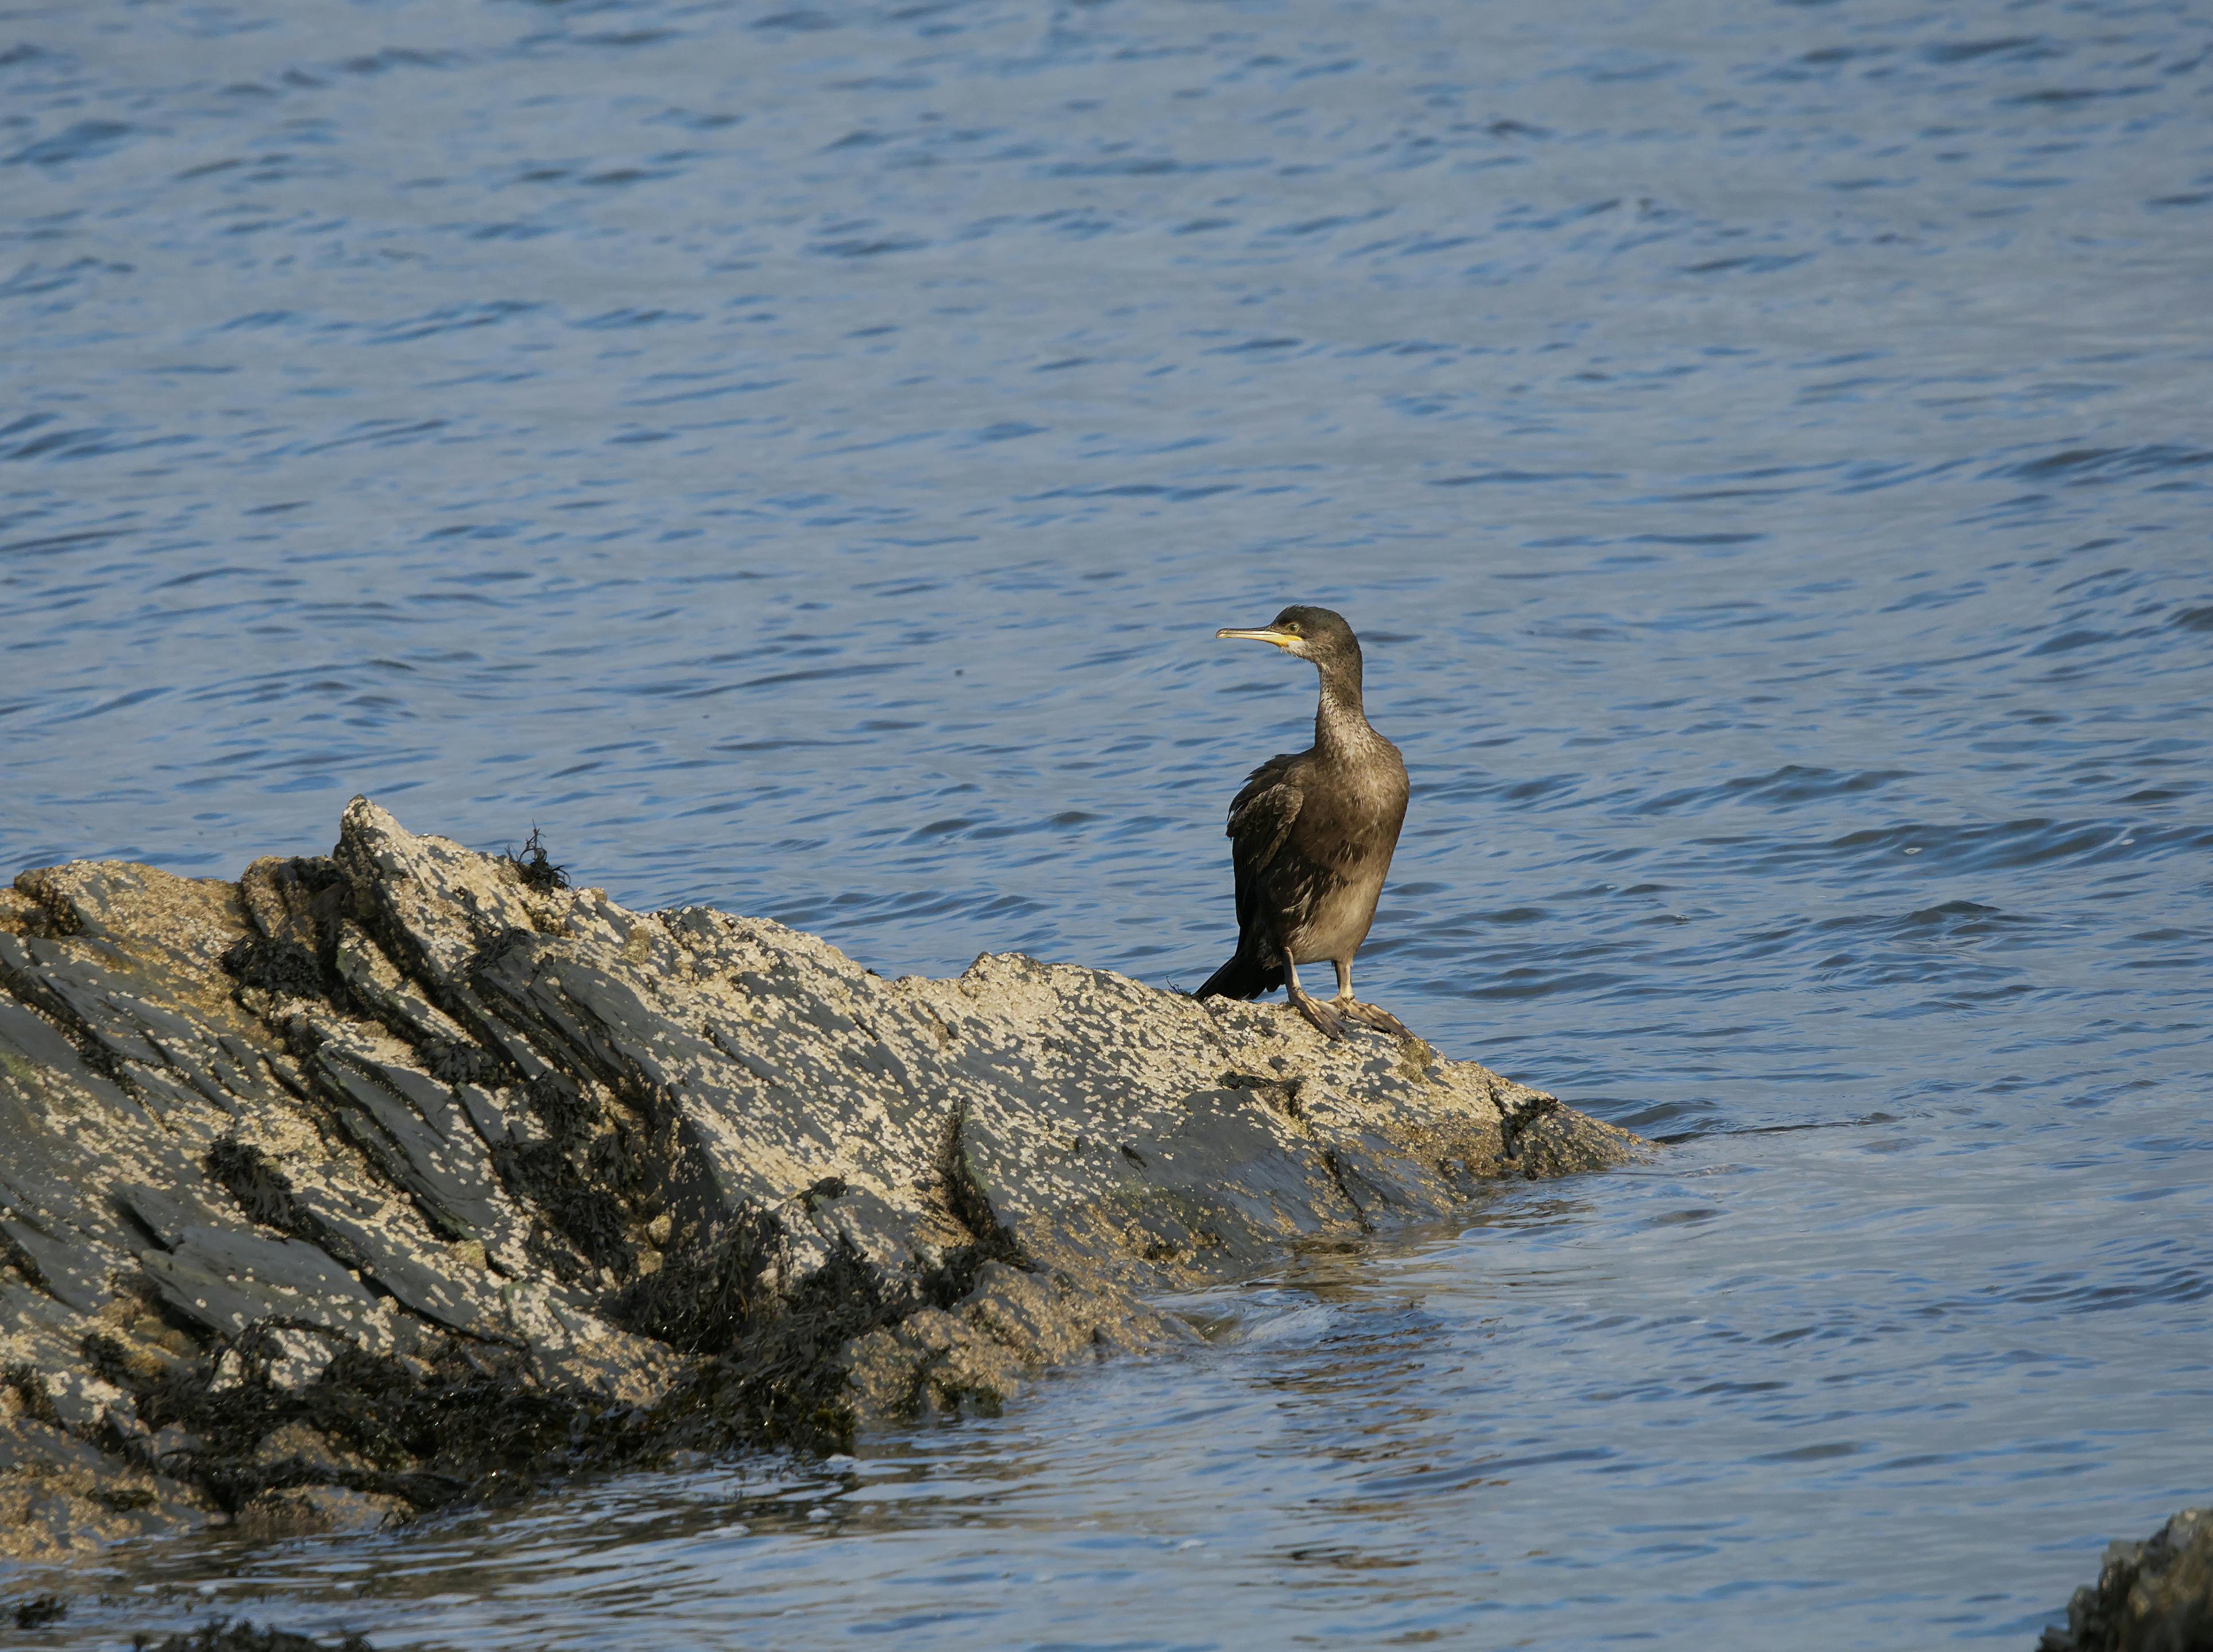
column 1312, row 835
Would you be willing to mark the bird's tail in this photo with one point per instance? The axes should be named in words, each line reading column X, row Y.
column 1243, row 976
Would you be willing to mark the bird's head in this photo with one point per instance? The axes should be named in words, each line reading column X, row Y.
column 1314, row 634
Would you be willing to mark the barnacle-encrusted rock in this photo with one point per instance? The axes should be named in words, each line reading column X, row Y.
column 2153, row 1596
column 408, row 1174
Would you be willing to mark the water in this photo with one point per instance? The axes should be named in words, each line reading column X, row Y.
column 798, row 458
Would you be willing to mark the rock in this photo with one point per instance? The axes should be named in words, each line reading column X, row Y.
column 38, row 1611
column 242, row 1636
column 406, row 1174
column 2153, row 1596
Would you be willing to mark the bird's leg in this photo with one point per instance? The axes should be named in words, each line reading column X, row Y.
column 1367, row 1014
column 1327, row 1020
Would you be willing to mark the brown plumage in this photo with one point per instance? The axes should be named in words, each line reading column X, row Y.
column 1311, row 837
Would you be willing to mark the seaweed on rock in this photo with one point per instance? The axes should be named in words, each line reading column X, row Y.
column 39, row 1610
column 782, row 1382
column 266, row 1194
column 226, row 1635
column 22, row 1382
column 589, row 1215
column 466, row 1426
column 568, row 1187
column 535, row 867
column 705, row 1300
column 276, row 967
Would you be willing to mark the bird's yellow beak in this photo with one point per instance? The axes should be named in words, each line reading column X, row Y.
column 1282, row 639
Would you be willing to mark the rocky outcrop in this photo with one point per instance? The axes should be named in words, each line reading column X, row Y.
column 2153, row 1596
column 408, row 1174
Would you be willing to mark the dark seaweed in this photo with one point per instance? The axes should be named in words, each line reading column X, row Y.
column 993, row 1240
column 474, row 1426
column 39, row 1611
column 537, row 867
column 474, row 1422
column 541, row 1175
column 782, row 1383
column 478, row 1426
column 277, row 966
column 568, row 1114
column 450, row 1061
column 37, row 1403
column 241, row 1636
column 265, row 1194
column 704, row 1302
column 586, row 1211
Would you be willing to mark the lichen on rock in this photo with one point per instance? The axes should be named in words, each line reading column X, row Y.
column 407, row 1174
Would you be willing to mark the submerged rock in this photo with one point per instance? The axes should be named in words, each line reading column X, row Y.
column 242, row 1636
column 2153, row 1596
column 406, row 1174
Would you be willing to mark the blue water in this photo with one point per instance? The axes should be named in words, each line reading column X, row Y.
column 797, row 458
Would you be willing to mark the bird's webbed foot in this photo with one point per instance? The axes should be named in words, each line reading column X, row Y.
column 1327, row 1020
column 1368, row 1015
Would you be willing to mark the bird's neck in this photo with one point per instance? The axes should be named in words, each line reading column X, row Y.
column 1340, row 723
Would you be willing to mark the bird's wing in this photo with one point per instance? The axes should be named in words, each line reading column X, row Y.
column 1261, row 814
column 1260, row 819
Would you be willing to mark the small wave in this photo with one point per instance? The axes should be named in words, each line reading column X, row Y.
column 1503, row 477
column 58, row 542
column 79, row 443
column 612, row 320
column 398, row 57
column 379, row 432
column 2072, row 1292
column 450, row 318
column 34, row 278
column 625, row 39
column 2094, row 466
column 1153, row 166
column 855, row 247
column 1958, row 914
column 1747, row 263
column 1175, row 495
column 2061, row 95
column 1791, row 784
column 84, row 141
column 2004, row 844
column 2019, row 48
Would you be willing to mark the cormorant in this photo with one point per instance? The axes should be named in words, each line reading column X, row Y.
column 1311, row 837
